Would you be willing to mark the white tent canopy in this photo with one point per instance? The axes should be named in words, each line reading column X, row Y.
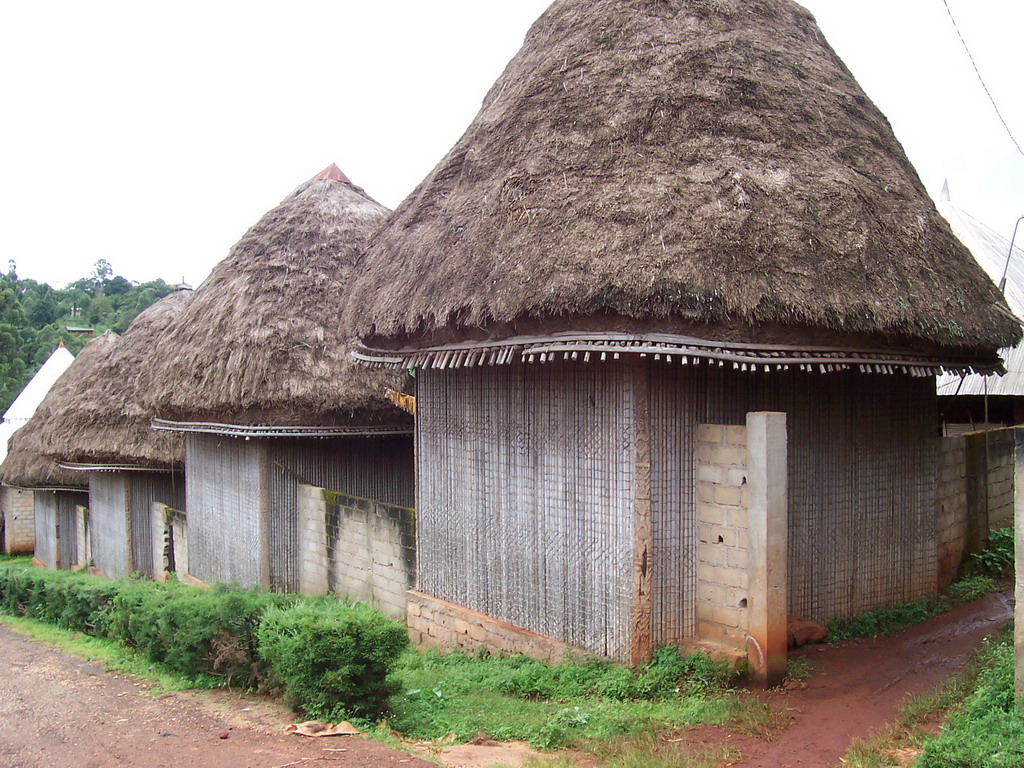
column 990, row 250
column 32, row 395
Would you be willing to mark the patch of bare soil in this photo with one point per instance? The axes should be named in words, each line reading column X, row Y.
column 57, row 712
column 481, row 755
column 858, row 686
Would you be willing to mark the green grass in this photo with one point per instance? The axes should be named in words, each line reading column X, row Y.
column 17, row 561
column 984, row 729
column 987, row 731
column 108, row 654
column 571, row 704
column 886, row 619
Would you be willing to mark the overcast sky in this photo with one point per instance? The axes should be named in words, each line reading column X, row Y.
column 153, row 135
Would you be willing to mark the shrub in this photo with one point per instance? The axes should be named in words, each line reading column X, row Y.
column 333, row 659
column 996, row 560
column 194, row 631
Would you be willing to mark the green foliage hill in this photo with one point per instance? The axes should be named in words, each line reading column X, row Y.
column 35, row 317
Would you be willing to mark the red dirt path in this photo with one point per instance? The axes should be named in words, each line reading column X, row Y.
column 857, row 687
column 57, row 711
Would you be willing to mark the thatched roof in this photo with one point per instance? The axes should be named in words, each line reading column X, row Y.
column 26, row 465
column 703, row 167
column 104, row 422
column 262, row 342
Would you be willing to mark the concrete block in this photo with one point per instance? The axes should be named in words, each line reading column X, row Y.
column 729, row 456
column 736, row 435
column 711, row 514
column 736, row 558
column 736, row 518
column 710, row 433
column 727, row 617
column 711, row 632
column 710, row 554
column 736, row 477
column 724, row 536
column 728, row 496
column 711, row 473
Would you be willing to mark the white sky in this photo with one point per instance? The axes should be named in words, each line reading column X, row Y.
column 153, row 135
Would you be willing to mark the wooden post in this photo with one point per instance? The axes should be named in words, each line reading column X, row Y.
column 1018, row 527
column 124, row 483
column 640, row 634
column 263, row 524
column 767, row 479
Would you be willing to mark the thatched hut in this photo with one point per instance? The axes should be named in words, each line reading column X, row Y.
column 667, row 215
column 17, row 526
column 256, row 372
column 59, row 494
column 103, row 430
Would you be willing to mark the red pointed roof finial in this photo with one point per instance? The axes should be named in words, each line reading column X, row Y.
column 60, row 344
column 332, row 173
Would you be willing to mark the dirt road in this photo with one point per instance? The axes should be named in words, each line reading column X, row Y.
column 858, row 687
column 59, row 712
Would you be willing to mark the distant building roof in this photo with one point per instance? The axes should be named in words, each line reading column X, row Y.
column 990, row 250
column 25, row 404
column 78, row 329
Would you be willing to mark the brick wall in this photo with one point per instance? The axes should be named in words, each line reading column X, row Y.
column 439, row 624
column 19, row 521
column 360, row 548
column 722, row 537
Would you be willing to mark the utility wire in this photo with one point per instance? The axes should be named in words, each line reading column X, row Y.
column 981, row 79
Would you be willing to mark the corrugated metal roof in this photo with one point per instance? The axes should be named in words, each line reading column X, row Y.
column 990, row 250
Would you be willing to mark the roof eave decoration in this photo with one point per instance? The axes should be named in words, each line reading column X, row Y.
column 249, row 431
column 682, row 350
column 76, row 466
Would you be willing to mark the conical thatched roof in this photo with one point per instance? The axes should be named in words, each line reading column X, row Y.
column 26, row 465
column 104, row 422
column 261, row 342
column 702, row 167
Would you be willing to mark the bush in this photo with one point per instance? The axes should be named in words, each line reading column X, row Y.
column 194, row 631
column 333, row 659
column 996, row 560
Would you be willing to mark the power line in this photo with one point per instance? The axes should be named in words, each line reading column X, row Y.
column 981, row 79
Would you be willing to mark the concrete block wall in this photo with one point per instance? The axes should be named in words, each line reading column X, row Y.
column 169, row 527
column 951, row 508
column 19, row 521
column 975, row 495
column 722, row 536
column 359, row 548
column 83, row 539
column 1000, row 461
